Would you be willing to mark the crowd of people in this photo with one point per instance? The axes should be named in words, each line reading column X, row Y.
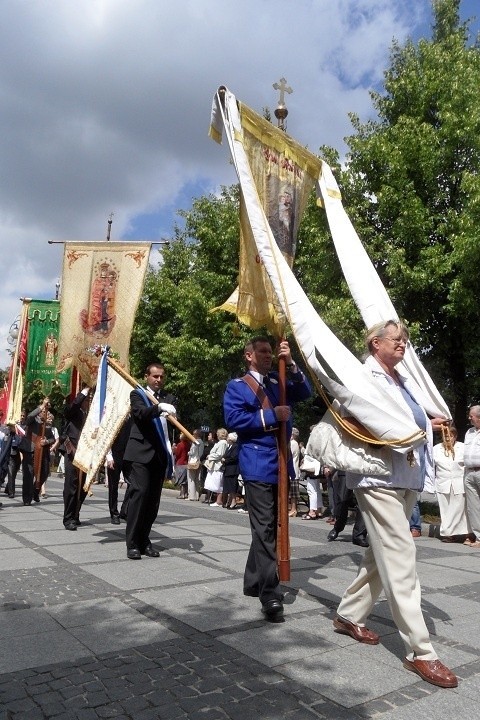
column 237, row 468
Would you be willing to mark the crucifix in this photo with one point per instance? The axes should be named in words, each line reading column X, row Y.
column 281, row 111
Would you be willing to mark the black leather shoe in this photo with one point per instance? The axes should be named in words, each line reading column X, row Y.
column 36, row 495
column 70, row 525
column 332, row 535
column 361, row 541
column 150, row 551
column 27, row 503
column 115, row 520
column 273, row 609
column 134, row 554
column 11, row 496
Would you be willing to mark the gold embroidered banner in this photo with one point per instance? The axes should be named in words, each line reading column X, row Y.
column 284, row 174
column 101, row 288
column 42, row 348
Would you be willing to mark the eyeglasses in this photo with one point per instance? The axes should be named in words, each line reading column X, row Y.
column 397, row 341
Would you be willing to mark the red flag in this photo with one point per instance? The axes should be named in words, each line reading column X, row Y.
column 22, row 351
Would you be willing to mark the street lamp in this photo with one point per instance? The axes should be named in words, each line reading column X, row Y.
column 13, row 332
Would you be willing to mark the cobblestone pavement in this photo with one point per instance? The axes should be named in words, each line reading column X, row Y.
column 87, row 634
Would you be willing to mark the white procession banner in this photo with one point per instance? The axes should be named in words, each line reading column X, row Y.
column 346, row 378
column 96, row 439
column 368, row 291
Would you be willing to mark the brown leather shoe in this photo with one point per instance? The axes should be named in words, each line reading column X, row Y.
column 416, row 533
column 432, row 671
column 357, row 632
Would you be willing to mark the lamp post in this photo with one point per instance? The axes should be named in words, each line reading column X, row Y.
column 13, row 331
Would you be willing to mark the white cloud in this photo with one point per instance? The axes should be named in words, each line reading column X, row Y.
column 106, row 104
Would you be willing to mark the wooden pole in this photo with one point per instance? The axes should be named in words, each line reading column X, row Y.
column 283, row 539
column 38, row 456
column 131, row 380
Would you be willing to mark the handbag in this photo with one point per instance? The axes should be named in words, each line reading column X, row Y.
column 209, row 464
column 332, row 446
column 193, row 465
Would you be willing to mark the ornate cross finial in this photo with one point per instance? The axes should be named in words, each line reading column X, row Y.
column 283, row 87
column 281, row 111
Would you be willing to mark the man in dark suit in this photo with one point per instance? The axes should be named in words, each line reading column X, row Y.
column 148, row 456
column 252, row 410
column 21, row 455
column 73, row 492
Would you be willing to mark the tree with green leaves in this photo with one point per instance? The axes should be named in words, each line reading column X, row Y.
column 412, row 189
column 201, row 349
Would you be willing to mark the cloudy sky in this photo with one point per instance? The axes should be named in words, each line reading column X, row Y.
column 105, row 107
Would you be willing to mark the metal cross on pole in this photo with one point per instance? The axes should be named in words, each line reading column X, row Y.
column 281, row 111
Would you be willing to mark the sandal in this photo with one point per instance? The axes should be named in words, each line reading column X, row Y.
column 307, row 516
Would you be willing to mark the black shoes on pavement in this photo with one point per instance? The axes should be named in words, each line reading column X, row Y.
column 135, row 554
column 333, row 534
column 150, row 551
column 273, row 610
column 361, row 542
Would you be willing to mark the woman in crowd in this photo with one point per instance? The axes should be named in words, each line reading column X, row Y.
column 230, row 472
column 181, row 459
column 451, row 490
column 193, row 466
column 213, row 463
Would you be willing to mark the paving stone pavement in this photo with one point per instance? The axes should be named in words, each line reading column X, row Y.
column 87, row 634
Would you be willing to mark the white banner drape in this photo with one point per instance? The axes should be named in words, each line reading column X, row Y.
column 98, row 435
column 346, row 378
column 367, row 289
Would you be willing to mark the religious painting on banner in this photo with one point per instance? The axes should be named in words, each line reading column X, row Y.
column 101, row 287
column 41, row 373
column 284, row 174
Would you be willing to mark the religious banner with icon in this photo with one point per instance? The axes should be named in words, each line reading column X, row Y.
column 332, row 365
column 284, row 174
column 101, row 287
column 43, row 317
column 108, row 411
